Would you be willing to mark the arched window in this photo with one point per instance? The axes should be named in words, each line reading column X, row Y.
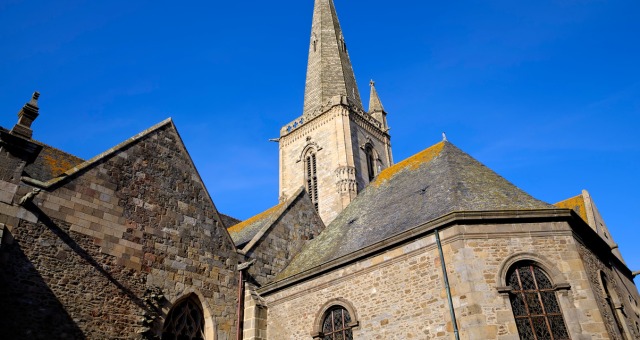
column 185, row 321
column 534, row 304
column 311, row 177
column 371, row 162
column 336, row 324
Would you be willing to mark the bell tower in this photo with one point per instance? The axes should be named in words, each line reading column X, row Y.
column 335, row 148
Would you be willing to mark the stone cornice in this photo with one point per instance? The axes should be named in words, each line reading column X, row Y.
column 364, row 121
column 579, row 227
column 307, row 123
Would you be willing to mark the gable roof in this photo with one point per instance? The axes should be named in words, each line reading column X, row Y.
column 246, row 233
column 437, row 181
column 229, row 221
column 83, row 165
column 50, row 163
column 578, row 205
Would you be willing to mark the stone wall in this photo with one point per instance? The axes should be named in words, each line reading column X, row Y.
column 134, row 224
column 624, row 324
column 399, row 294
column 284, row 239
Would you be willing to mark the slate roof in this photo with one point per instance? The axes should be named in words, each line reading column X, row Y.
column 50, row 163
column 228, row 220
column 577, row 204
column 428, row 185
column 243, row 232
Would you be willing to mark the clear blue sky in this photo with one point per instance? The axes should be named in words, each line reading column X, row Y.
column 546, row 93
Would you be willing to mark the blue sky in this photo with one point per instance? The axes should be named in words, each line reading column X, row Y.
column 546, row 93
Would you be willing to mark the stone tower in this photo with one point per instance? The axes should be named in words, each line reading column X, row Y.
column 335, row 148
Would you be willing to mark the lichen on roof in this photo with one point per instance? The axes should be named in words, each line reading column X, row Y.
column 577, row 204
column 244, row 231
column 437, row 181
column 410, row 163
column 50, row 163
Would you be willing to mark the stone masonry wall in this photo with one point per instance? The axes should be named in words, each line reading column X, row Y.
column 627, row 316
column 284, row 239
column 399, row 294
column 99, row 243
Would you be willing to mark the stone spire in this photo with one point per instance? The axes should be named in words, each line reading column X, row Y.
column 375, row 104
column 26, row 116
column 376, row 110
column 329, row 71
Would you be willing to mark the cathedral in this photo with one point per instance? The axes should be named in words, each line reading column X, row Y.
column 130, row 245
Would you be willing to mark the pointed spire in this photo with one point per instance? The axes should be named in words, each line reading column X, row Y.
column 26, row 116
column 329, row 70
column 375, row 105
column 376, row 110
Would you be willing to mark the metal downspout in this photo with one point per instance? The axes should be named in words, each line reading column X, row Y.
column 446, row 285
column 239, row 324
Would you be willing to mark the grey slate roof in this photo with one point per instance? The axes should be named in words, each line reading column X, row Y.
column 428, row 185
column 50, row 163
column 243, row 232
column 229, row 221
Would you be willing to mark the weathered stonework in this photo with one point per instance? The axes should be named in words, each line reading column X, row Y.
column 338, row 140
column 283, row 240
column 399, row 294
column 106, row 236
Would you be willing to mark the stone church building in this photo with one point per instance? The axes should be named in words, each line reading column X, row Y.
column 129, row 244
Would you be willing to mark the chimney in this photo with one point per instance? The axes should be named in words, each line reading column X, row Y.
column 26, row 116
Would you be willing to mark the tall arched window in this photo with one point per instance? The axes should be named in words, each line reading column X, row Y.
column 371, row 163
column 534, row 303
column 336, row 324
column 311, row 177
column 185, row 321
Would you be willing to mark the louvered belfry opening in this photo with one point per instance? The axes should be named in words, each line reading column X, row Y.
column 185, row 321
column 312, row 178
column 534, row 304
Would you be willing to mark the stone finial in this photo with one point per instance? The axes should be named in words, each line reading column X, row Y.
column 34, row 99
column 444, row 137
column 26, row 116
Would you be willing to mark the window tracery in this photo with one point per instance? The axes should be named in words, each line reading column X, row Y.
column 185, row 321
column 534, row 304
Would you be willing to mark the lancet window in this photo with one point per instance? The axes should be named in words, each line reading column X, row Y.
column 311, row 177
column 371, row 162
column 534, row 304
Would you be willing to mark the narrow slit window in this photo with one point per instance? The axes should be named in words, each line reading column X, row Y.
column 312, row 178
column 371, row 172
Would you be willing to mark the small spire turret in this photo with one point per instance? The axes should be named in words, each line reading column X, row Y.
column 375, row 106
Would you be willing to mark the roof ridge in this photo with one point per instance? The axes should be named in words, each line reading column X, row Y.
column 266, row 219
column 98, row 157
